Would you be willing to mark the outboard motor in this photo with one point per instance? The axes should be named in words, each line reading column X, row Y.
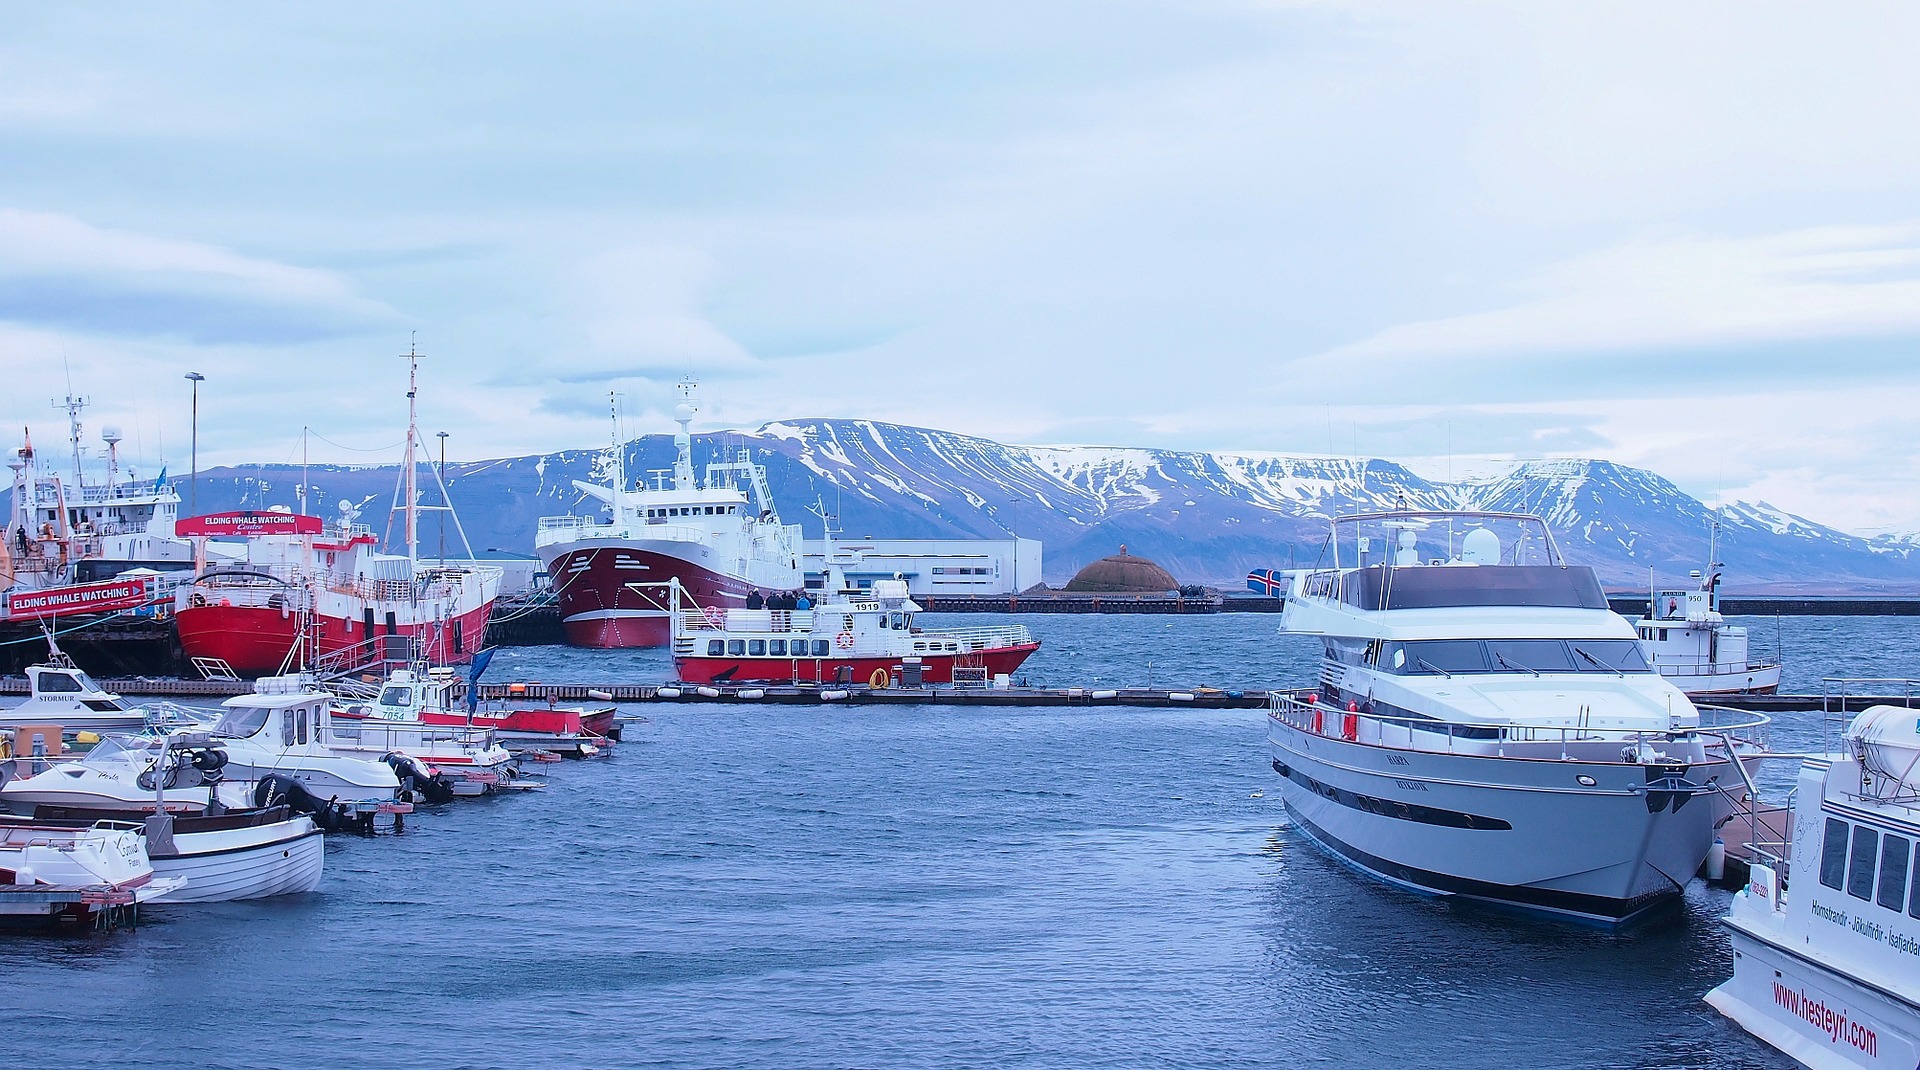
column 276, row 789
column 417, row 777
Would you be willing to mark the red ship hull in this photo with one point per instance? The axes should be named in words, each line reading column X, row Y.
column 254, row 640
column 935, row 668
column 600, row 608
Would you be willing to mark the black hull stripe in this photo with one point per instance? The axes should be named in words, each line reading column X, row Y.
column 266, row 846
column 1426, row 815
column 1598, row 907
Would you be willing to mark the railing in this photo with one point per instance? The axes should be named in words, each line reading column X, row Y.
column 1843, row 696
column 1603, row 746
column 1324, row 584
column 971, row 640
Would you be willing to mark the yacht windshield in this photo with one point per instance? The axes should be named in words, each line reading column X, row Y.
column 1448, row 657
column 396, row 696
column 1617, row 655
column 241, row 722
column 1535, row 655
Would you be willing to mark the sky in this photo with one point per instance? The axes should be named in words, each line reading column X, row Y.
column 1682, row 237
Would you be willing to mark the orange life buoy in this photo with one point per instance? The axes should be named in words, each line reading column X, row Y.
column 844, row 640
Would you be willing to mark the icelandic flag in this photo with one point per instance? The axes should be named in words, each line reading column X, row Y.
column 474, row 668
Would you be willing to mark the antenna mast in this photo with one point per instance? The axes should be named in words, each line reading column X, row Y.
column 619, row 456
column 413, row 434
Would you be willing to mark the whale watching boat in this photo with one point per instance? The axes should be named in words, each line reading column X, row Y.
column 1693, row 646
column 851, row 635
column 1485, row 727
column 310, row 591
column 1824, row 964
column 720, row 540
column 81, row 543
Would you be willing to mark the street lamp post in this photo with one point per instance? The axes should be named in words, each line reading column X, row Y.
column 193, row 484
column 443, row 495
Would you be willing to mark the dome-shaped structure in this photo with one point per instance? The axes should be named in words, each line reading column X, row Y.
column 1123, row 573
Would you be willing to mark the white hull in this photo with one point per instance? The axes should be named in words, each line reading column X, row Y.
column 245, row 863
column 1518, row 832
column 1753, row 679
column 1819, row 1017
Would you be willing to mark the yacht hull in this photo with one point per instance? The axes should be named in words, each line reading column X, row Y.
column 1524, row 833
column 1810, row 1012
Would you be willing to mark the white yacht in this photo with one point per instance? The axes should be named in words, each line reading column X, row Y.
column 60, row 693
column 1826, row 967
column 1485, row 727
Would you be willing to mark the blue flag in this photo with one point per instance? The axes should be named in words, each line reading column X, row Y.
column 162, row 481
column 474, row 668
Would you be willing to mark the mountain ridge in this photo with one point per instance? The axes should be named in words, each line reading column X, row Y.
column 1208, row 516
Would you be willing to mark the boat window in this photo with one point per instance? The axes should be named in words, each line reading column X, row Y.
column 716, row 647
column 757, row 648
column 1520, row 655
column 1423, row 587
column 1894, row 855
column 394, row 696
column 103, row 705
column 1866, row 851
column 241, row 722
column 1833, row 854
column 1913, row 892
column 286, row 728
column 1442, row 656
column 58, row 682
column 736, row 647
column 819, row 648
column 1609, row 655
column 300, row 727
column 777, row 647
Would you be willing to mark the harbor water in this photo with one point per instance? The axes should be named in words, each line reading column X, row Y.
column 785, row 886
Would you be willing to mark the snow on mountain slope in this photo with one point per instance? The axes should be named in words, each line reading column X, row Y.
column 1208, row 517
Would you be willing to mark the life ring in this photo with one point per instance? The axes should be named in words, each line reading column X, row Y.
column 844, row 640
column 715, row 616
column 877, row 681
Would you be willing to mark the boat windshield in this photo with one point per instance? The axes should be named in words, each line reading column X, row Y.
column 397, row 696
column 1450, row 657
column 241, row 722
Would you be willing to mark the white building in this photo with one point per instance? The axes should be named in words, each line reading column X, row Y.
column 935, row 566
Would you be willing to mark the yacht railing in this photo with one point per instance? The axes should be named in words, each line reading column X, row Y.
column 1586, row 743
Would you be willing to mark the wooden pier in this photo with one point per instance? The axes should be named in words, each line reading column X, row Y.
column 808, row 694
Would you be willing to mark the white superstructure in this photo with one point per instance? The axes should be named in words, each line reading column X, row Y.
column 1826, row 940
column 1485, row 727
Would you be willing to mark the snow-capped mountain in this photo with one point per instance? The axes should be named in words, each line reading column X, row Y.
column 1208, row 517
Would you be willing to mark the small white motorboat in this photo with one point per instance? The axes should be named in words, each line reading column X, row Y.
column 47, row 871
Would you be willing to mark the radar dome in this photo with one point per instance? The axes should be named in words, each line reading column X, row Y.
column 1480, row 547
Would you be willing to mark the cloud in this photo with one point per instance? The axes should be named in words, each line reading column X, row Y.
column 60, row 271
column 1688, row 293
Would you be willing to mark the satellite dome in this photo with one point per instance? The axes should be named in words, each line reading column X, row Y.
column 1123, row 573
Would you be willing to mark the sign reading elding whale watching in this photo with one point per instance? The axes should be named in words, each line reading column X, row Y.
column 247, row 524
column 81, row 598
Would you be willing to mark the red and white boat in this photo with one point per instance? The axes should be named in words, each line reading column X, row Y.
column 426, row 696
column 852, row 636
column 308, row 591
column 720, row 540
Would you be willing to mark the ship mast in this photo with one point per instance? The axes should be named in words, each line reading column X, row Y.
column 619, row 457
column 683, row 438
column 413, row 434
